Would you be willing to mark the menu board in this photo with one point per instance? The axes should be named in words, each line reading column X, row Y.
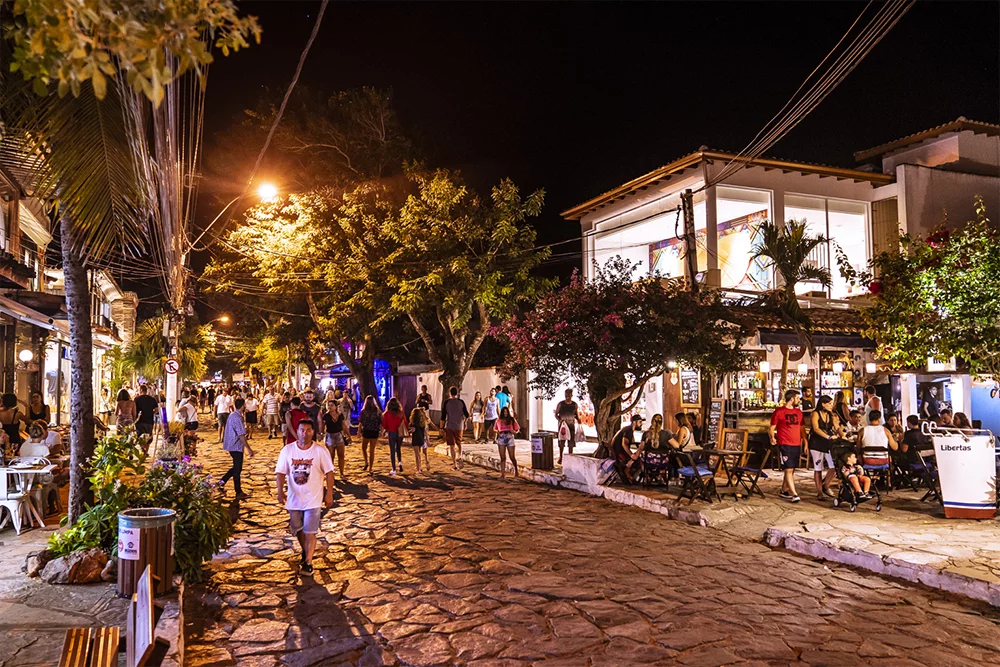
column 714, row 421
column 690, row 388
column 734, row 439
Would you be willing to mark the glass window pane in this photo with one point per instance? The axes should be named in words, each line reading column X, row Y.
column 739, row 214
column 849, row 231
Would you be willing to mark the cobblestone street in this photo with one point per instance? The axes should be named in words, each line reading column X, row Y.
column 463, row 568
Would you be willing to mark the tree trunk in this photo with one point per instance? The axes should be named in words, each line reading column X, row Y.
column 82, row 356
column 785, row 351
column 605, row 420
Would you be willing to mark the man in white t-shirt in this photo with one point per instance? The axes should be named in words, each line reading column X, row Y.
column 302, row 466
column 223, row 406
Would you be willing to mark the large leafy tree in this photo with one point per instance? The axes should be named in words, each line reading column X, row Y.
column 460, row 262
column 787, row 248
column 80, row 150
column 938, row 298
column 610, row 336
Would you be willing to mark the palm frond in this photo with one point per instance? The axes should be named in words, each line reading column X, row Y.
column 77, row 149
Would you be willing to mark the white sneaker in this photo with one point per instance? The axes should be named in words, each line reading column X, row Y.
column 392, row 473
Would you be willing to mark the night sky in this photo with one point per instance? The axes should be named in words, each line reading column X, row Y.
column 578, row 98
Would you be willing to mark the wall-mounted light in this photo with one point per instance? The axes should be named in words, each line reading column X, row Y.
column 838, row 367
column 671, row 365
column 765, row 367
column 803, row 369
column 25, row 355
column 871, row 368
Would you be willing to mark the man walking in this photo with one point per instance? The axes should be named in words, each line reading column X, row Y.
column 302, row 466
column 786, row 432
column 234, row 441
column 145, row 408
column 223, row 406
column 272, row 412
column 454, row 414
column 312, row 410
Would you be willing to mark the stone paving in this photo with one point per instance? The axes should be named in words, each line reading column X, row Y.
column 909, row 538
column 461, row 568
column 34, row 616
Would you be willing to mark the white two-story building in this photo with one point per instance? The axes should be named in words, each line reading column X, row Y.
column 910, row 185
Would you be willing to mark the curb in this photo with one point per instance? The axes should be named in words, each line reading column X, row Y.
column 777, row 538
column 952, row 582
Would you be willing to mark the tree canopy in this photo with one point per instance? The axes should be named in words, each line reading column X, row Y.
column 146, row 352
column 70, row 43
column 938, row 298
column 609, row 336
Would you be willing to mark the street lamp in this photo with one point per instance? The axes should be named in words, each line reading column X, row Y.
column 267, row 192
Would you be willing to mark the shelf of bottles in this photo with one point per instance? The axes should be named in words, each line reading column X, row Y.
column 748, row 387
column 836, row 373
column 796, row 380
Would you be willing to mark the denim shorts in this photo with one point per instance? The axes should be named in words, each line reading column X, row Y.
column 305, row 521
column 505, row 439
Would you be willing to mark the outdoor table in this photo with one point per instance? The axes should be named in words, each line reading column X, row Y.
column 25, row 481
column 730, row 488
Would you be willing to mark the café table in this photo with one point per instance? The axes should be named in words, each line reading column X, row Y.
column 730, row 488
column 26, row 476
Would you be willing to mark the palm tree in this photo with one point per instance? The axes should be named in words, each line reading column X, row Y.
column 787, row 247
column 146, row 354
column 77, row 153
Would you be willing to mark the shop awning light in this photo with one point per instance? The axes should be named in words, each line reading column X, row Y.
column 871, row 368
column 765, row 367
column 803, row 369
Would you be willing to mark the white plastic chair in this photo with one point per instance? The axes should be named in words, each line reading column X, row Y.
column 14, row 502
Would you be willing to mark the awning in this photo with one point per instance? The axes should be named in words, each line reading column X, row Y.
column 819, row 340
column 25, row 314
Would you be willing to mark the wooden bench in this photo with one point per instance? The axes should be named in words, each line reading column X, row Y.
column 99, row 647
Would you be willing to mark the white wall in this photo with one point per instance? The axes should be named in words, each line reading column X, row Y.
column 926, row 194
column 482, row 379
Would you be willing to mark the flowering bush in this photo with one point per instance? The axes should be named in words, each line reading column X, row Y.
column 610, row 335
column 938, row 298
column 202, row 527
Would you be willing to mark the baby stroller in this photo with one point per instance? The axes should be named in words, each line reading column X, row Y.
column 847, row 495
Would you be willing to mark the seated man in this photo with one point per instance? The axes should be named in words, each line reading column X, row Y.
column 41, row 442
column 621, row 449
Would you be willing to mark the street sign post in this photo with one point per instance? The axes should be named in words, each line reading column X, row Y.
column 171, row 366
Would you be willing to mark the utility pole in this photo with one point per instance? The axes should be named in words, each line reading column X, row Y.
column 171, row 332
column 690, row 247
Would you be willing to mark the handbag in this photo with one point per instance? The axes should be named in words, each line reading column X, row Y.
column 580, row 435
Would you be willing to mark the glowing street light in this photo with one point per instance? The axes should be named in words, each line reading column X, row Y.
column 267, row 192
column 221, row 318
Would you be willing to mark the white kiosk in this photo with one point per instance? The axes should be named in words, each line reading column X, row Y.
column 966, row 461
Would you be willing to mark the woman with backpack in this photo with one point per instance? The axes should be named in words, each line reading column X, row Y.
column 371, row 428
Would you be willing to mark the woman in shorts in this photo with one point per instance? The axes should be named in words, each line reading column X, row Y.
column 338, row 434
column 507, row 426
column 371, row 429
column 477, row 407
column 490, row 413
column 418, row 435
column 251, row 416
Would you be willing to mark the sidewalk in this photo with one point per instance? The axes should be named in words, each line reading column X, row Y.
column 34, row 616
column 908, row 539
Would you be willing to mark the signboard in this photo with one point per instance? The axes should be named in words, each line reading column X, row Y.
column 171, row 366
column 967, row 470
column 735, row 439
column 536, row 445
column 238, row 377
column 128, row 544
column 690, row 388
column 714, row 421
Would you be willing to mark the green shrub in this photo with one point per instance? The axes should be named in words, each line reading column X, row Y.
column 202, row 527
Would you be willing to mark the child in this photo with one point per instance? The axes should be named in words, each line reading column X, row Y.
column 418, row 436
column 855, row 475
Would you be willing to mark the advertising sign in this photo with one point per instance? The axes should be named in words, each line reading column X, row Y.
column 128, row 544
column 967, row 470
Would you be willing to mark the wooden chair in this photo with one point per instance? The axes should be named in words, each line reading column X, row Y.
column 99, row 647
column 698, row 475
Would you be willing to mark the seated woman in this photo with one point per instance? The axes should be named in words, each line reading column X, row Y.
column 658, row 440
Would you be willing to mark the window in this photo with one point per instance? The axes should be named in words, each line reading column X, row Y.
column 655, row 245
column 739, row 213
column 844, row 224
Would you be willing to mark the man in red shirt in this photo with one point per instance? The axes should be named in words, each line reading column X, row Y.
column 786, row 433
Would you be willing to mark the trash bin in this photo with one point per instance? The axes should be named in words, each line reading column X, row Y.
column 966, row 463
column 541, row 450
column 145, row 537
